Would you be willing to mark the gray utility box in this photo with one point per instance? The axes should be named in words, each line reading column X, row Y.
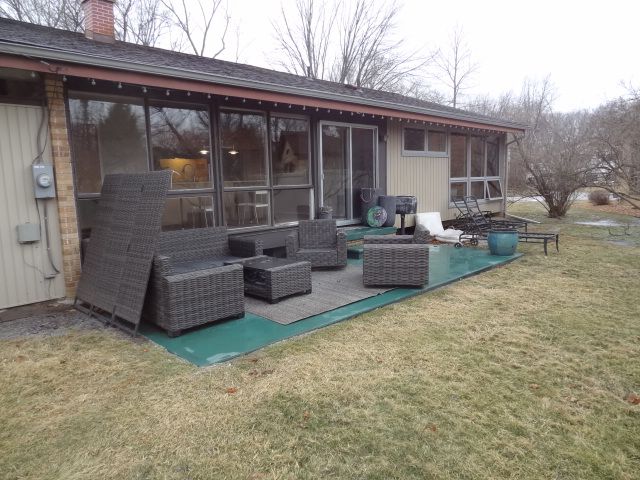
column 43, row 184
column 28, row 233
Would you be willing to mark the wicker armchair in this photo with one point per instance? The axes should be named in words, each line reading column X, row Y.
column 318, row 242
column 419, row 236
column 399, row 260
column 190, row 283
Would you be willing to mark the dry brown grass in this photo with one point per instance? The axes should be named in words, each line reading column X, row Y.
column 517, row 373
column 620, row 208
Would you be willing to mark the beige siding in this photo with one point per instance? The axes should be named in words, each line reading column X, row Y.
column 23, row 267
column 427, row 178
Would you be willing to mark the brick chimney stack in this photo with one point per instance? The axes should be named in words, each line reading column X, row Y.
column 99, row 23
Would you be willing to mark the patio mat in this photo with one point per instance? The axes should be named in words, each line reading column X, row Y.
column 330, row 289
column 222, row 341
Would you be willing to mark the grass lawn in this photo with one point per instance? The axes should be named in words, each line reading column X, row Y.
column 521, row 372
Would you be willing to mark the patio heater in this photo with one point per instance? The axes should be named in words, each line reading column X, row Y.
column 405, row 204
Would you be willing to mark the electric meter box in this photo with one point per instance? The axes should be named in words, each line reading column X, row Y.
column 43, row 184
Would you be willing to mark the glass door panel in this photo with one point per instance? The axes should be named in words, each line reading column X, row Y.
column 335, row 169
column 363, row 142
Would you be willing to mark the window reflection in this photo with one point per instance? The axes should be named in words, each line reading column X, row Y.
column 494, row 189
column 493, row 159
column 477, row 189
column 414, row 139
column 188, row 212
column 243, row 137
column 106, row 137
column 291, row 205
column 458, row 155
column 477, row 157
column 458, row 190
column 180, row 143
column 247, row 208
column 437, row 141
column 290, row 151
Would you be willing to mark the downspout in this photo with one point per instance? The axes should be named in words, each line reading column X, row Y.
column 507, row 161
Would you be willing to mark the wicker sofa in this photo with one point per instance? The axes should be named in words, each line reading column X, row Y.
column 398, row 260
column 190, row 284
column 318, row 242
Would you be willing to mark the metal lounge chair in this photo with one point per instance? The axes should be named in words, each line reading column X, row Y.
column 476, row 223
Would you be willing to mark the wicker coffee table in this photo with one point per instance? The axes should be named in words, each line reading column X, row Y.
column 273, row 279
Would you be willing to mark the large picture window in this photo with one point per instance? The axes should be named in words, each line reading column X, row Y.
column 266, row 171
column 111, row 134
column 480, row 157
column 108, row 135
column 180, row 142
column 291, row 167
column 243, row 137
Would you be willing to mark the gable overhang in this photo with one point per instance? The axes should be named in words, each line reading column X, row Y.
column 100, row 68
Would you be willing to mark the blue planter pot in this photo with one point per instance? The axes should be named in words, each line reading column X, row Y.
column 502, row 242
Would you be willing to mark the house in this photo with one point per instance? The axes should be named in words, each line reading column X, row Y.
column 251, row 148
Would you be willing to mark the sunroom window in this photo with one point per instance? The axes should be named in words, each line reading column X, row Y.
column 475, row 167
column 266, row 168
column 116, row 134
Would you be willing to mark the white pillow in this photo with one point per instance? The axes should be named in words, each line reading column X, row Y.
column 431, row 221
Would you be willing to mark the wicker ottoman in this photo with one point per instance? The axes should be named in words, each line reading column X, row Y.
column 275, row 278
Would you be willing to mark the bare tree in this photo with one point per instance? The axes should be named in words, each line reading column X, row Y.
column 64, row 14
column 454, row 66
column 616, row 141
column 363, row 52
column 555, row 151
column 196, row 24
column 304, row 39
column 549, row 162
column 146, row 22
column 141, row 21
column 418, row 88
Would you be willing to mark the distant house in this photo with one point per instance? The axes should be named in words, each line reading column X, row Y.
column 254, row 149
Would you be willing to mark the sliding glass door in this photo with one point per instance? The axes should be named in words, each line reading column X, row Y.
column 347, row 164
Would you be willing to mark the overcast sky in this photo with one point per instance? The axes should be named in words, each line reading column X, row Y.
column 587, row 47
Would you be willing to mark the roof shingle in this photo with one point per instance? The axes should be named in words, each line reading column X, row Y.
column 49, row 39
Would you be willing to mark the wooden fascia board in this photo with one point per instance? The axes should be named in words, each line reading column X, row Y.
column 173, row 83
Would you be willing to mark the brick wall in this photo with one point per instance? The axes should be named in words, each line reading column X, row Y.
column 99, row 21
column 64, row 183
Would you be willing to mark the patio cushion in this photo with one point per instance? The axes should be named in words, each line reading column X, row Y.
column 430, row 221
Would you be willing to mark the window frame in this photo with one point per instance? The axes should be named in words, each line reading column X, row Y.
column 426, row 152
column 468, row 180
column 350, row 220
column 181, row 106
column 307, row 186
column 269, row 186
column 145, row 102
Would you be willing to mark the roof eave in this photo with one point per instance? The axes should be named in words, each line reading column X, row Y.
column 105, row 62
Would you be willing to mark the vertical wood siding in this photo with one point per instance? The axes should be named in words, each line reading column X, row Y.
column 23, row 267
column 427, row 178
